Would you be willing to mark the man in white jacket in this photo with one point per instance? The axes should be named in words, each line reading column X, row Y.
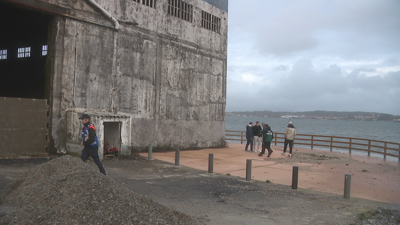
column 290, row 133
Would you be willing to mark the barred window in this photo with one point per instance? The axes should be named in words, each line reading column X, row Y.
column 44, row 50
column 24, row 52
column 180, row 9
column 150, row 3
column 3, row 54
column 210, row 22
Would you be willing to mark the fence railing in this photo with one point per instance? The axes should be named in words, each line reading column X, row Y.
column 352, row 144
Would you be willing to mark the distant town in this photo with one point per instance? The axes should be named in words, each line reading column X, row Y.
column 320, row 114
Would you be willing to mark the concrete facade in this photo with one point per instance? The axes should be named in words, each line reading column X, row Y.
column 161, row 77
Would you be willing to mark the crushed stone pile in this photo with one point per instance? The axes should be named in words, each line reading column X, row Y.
column 68, row 191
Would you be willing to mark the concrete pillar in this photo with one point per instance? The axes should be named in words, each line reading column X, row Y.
column 210, row 163
column 150, row 151
column 248, row 170
column 177, row 155
column 347, row 185
column 295, row 177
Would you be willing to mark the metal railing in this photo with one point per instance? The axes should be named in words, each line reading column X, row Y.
column 357, row 144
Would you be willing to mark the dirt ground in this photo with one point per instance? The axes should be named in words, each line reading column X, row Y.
column 371, row 178
column 225, row 199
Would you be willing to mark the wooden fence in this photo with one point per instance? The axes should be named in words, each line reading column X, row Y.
column 357, row 144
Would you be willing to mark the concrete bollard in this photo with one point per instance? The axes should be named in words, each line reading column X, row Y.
column 150, row 151
column 248, row 170
column 210, row 163
column 177, row 153
column 347, row 185
column 295, row 177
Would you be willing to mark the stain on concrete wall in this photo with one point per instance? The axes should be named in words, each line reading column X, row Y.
column 23, row 126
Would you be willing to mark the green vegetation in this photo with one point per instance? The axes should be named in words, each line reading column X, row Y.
column 377, row 214
column 319, row 114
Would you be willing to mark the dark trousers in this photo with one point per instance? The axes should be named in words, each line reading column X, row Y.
column 290, row 143
column 249, row 142
column 94, row 153
column 266, row 145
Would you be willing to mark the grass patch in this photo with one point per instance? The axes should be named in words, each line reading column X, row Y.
column 268, row 181
column 362, row 216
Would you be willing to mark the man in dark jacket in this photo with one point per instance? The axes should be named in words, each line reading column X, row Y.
column 249, row 136
column 90, row 142
column 268, row 135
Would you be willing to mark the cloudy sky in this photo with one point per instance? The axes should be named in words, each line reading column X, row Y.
column 307, row 55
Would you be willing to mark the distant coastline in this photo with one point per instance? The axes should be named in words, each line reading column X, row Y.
column 319, row 114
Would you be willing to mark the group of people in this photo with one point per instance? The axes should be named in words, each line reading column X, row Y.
column 263, row 135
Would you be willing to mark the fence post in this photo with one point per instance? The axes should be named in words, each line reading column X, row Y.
column 369, row 148
column 241, row 137
column 248, row 170
column 347, row 185
column 399, row 155
column 177, row 154
column 210, row 163
column 384, row 151
column 150, row 151
column 350, row 146
column 331, row 143
column 295, row 177
column 275, row 134
column 312, row 142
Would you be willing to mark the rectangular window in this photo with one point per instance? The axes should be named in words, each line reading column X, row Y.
column 149, row 3
column 24, row 52
column 210, row 22
column 3, row 54
column 180, row 9
column 44, row 50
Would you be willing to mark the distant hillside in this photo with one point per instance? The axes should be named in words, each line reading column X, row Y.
column 319, row 114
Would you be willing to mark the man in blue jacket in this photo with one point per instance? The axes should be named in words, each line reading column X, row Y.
column 90, row 142
column 249, row 136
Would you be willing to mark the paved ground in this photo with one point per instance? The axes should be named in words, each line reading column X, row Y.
column 220, row 198
column 323, row 171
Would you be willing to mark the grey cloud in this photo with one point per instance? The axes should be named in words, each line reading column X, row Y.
column 281, row 68
column 304, row 88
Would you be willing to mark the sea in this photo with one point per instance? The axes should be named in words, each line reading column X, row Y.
column 374, row 130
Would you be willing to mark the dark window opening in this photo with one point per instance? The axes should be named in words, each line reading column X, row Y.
column 210, row 22
column 44, row 50
column 180, row 9
column 22, row 52
column 149, row 3
column 3, row 54
column 112, row 139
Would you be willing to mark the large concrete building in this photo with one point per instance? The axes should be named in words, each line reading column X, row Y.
column 147, row 71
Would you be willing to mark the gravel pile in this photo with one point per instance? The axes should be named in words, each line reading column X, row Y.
column 68, row 191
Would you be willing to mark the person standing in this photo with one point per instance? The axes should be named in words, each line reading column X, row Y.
column 257, row 139
column 268, row 135
column 290, row 133
column 249, row 136
column 90, row 142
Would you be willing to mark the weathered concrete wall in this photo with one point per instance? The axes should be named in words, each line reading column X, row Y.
column 168, row 75
column 23, row 126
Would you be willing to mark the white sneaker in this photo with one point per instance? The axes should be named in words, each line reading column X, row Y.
column 290, row 155
column 283, row 153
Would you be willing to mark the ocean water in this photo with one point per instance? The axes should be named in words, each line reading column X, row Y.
column 373, row 130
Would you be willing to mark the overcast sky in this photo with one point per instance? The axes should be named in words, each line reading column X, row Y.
column 306, row 55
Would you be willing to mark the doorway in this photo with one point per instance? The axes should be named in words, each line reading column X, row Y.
column 112, row 139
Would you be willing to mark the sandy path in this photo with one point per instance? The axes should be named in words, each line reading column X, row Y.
column 324, row 171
